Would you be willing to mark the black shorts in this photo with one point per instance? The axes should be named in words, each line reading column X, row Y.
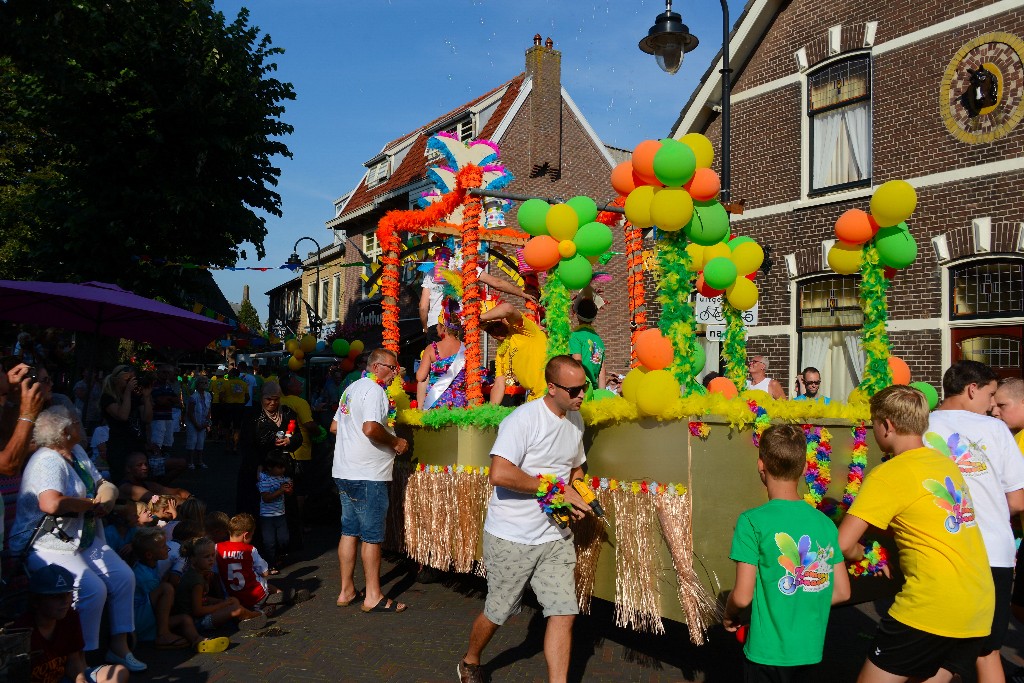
column 217, row 414
column 765, row 673
column 1017, row 596
column 1002, row 577
column 301, row 471
column 905, row 651
column 234, row 413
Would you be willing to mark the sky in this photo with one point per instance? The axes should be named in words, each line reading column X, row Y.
column 368, row 71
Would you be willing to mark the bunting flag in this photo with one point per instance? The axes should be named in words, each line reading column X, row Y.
column 149, row 260
column 245, row 337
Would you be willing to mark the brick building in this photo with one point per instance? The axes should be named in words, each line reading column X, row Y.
column 547, row 145
column 830, row 100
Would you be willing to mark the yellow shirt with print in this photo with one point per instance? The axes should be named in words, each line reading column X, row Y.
column 303, row 414
column 521, row 357
column 235, row 391
column 920, row 494
column 216, row 388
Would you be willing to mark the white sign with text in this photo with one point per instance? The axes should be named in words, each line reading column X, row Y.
column 715, row 333
column 709, row 312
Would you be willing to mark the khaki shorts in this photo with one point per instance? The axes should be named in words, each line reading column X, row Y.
column 548, row 567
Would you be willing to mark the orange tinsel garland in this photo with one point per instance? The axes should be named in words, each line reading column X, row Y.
column 471, row 289
column 634, row 274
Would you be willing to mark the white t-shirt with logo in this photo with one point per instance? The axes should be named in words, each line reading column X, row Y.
column 984, row 450
column 436, row 298
column 538, row 442
column 355, row 456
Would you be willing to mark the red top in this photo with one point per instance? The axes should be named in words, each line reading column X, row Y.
column 50, row 657
column 235, row 566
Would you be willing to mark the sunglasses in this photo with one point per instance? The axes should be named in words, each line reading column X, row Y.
column 572, row 391
column 393, row 368
column 814, row 383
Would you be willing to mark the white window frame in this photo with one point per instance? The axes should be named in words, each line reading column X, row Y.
column 371, row 247
column 378, row 173
column 463, row 127
column 336, row 297
column 325, row 298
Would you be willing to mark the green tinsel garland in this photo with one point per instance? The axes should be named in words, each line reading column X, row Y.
column 874, row 337
column 554, row 297
column 734, row 345
column 677, row 321
column 480, row 417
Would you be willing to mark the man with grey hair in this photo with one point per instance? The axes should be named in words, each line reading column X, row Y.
column 759, row 379
column 364, row 456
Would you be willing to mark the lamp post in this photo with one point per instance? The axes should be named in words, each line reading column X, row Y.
column 315, row 322
column 668, row 40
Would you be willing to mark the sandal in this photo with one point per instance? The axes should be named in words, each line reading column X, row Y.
column 360, row 595
column 386, row 605
column 212, row 645
column 176, row 644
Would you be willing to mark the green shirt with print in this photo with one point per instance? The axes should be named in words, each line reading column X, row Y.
column 586, row 342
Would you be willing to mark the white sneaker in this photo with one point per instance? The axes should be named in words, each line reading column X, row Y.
column 128, row 661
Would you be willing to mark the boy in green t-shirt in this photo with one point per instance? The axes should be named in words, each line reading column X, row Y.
column 586, row 346
column 788, row 567
column 939, row 620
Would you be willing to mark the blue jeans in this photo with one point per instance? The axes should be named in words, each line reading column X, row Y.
column 275, row 537
column 364, row 507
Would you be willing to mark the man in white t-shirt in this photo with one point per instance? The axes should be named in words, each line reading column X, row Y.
column 759, row 379
column 987, row 455
column 364, row 456
column 521, row 543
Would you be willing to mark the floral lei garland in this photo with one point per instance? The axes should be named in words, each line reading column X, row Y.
column 818, row 474
column 761, row 421
column 392, row 411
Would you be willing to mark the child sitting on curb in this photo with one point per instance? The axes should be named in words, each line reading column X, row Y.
column 192, row 595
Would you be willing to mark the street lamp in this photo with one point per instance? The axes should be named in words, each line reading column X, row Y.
column 668, row 40
column 315, row 322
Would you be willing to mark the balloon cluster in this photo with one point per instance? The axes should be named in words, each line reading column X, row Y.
column 652, row 386
column 891, row 205
column 728, row 267
column 299, row 348
column 566, row 237
column 348, row 351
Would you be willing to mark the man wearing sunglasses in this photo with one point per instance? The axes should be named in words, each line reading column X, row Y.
column 364, row 457
column 808, row 386
column 759, row 379
column 521, row 543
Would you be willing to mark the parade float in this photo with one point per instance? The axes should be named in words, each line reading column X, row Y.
column 672, row 464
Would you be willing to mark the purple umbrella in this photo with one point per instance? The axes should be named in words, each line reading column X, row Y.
column 106, row 309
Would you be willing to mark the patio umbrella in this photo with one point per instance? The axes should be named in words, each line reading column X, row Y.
column 106, row 309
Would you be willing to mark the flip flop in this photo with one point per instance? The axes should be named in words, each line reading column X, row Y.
column 212, row 645
column 386, row 605
column 360, row 594
column 176, row 644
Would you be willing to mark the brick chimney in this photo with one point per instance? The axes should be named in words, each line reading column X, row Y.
column 544, row 67
column 245, row 292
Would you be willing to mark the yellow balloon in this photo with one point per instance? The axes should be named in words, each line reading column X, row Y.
column 308, row 343
column 742, row 294
column 893, row 202
column 714, row 251
column 299, row 353
column 562, row 222
column 671, row 208
column 291, row 345
column 356, row 346
column 702, row 149
column 638, row 206
column 696, row 253
column 567, row 248
column 295, row 363
column 748, row 257
column 632, row 382
column 844, row 258
column 656, row 393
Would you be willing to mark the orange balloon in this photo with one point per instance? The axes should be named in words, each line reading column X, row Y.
column 900, row 370
column 855, row 227
column 643, row 161
column 705, row 290
column 723, row 386
column 653, row 349
column 704, row 186
column 623, row 178
column 541, row 252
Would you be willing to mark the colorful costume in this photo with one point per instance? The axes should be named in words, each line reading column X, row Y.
column 447, row 380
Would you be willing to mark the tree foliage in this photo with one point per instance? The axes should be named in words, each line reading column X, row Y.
column 248, row 316
column 134, row 129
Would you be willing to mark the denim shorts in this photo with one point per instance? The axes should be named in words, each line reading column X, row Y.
column 364, row 507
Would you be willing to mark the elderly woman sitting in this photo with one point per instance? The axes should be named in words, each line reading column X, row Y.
column 62, row 495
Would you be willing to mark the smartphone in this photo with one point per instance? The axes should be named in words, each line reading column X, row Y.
column 33, row 373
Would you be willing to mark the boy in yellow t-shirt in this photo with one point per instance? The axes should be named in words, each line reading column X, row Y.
column 522, row 351
column 1009, row 408
column 944, row 610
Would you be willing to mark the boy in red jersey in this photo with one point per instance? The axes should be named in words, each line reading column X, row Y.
column 243, row 572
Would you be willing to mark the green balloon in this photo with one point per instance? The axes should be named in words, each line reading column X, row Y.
column 340, row 347
column 737, row 241
column 709, row 225
column 674, row 163
column 593, row 239
column 533, row 216
column 585, row 208
column 720, row 273
column 575, row 272
column 896, row 246
column 929, row 393
column 599, row 394
column 699, row 358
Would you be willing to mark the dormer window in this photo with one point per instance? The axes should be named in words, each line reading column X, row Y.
column 463, row 129
column 379, row 172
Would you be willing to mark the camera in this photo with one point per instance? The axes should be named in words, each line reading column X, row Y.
column 33, row 373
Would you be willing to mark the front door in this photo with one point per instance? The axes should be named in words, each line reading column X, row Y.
column 998, row 347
